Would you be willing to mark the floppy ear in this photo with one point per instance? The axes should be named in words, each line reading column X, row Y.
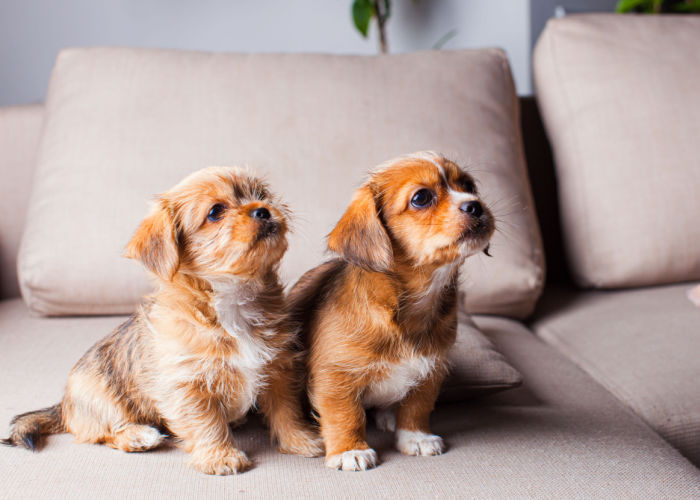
column 154, row 243
column 360, row 236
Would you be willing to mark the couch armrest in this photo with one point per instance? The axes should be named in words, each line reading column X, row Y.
column 20, row 129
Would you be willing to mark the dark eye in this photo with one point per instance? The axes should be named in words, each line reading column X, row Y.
column 422, row 198
column 466, row 185
column 216, row 212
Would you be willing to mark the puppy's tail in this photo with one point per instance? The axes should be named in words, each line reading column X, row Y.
column 26, row 429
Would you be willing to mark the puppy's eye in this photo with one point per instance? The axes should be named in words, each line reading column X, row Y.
column 466, row 185
column 422, row 198
column 216, row 212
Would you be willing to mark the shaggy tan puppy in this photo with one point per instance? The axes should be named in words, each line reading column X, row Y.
column 211, row 341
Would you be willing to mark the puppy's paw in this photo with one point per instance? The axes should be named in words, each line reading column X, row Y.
column 135, row 438
column 234, row 462
column 304, row 442
column 419, row 443
column 385, row 418
column 353, row 460
column 147, row 439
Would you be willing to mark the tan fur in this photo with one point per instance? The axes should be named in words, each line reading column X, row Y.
column 378, row 322
column 210, row 341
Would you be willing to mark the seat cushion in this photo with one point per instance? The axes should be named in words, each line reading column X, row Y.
column 559, row 435
column 620, row 102
column 123, row 124
column 20, row 128
column 642, row 345
column 476, row 367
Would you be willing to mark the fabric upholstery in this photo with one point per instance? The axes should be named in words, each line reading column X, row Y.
column 476, row 367
column 20, row 128
column 642, row 345
column 620, row 101
column 123, row 124
column 560, row 435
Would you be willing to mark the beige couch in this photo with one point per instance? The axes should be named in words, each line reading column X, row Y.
column 609, row 406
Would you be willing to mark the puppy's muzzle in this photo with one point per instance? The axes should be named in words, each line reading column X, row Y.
column 480, row 220
column 267, row 225
column 260, row 213
column 472, row 208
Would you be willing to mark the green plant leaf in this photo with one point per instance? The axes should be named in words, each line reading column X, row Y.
column 687, row 6
column 630, row 5
column 444, row 39
column 362, row 12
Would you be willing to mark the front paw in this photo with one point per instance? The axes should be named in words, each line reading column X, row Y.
column 233, row 462
column 419, row 443
column 353, row 460
column 304, row 442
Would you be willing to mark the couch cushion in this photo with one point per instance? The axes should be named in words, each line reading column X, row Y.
column 561, row 435
column 642, row 345
column 476, row 367
column 123, row 124
column 20, row 127
column 620, row 100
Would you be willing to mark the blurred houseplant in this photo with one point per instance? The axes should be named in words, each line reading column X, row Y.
column 658, row 6
column 362, row 13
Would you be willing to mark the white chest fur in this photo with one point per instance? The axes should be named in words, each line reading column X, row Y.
column 400, row 379
column 240, row 316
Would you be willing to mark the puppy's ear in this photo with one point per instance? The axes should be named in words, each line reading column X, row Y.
column 154, row 243
column 360, row 236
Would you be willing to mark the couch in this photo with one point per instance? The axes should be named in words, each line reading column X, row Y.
column 609, row 406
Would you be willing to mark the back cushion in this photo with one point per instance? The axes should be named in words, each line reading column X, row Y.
column 20, row 129
column 123, row 124
column 620, row 99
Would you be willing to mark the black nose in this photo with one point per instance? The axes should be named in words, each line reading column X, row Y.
column 260, row 213
column 472, row 208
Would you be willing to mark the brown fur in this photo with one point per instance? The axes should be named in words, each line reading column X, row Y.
column 211, row 340
column 387, row 303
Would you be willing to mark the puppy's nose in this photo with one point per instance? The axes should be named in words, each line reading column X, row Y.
column 260, row 213
column 472, row 208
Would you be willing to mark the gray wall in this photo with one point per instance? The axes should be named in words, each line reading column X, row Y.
column 33, row 31
column 541, row 11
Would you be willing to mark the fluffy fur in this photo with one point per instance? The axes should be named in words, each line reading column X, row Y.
column 205, row 347
column 378, row 320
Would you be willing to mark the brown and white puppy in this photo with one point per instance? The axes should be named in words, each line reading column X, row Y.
column 205, row 346
column 378, row 321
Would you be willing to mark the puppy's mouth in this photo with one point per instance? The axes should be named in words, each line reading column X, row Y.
column 479, row 230
column 268, row 229
column 476, row 237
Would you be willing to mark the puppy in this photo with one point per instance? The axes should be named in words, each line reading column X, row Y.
column 205, row 346
column 378, row 321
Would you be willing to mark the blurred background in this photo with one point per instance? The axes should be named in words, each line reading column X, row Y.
column 33, row 31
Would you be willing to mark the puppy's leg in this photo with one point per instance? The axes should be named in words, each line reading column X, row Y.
column 281, row 405
column 413, row 436
column 343, row 421
column 201, row 423
column 93, row 414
